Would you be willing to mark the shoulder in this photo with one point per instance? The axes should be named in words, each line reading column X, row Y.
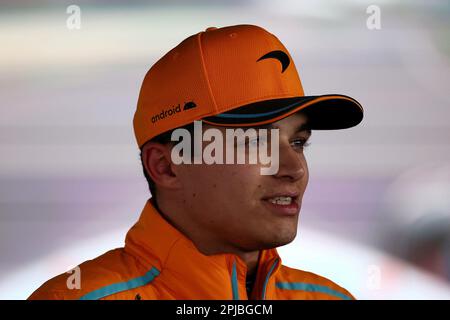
column 311, row 285
column 112, row 275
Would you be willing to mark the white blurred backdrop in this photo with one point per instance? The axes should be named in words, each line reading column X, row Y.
column 376, row 214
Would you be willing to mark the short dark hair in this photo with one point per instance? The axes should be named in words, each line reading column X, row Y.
column 163, row 138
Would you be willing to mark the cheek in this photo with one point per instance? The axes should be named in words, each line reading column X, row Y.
column 224, row 182
column 243, row 184
column 246, row 174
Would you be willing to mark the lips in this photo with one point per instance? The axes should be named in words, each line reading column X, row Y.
column 288, row 194
column 283, row 203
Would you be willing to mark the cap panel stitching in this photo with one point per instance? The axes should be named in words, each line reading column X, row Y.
column 199, row 40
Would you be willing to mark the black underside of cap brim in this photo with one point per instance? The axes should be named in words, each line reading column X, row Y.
column 325, row 112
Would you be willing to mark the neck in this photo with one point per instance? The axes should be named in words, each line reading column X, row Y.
column 205, row 244
column 251, row 260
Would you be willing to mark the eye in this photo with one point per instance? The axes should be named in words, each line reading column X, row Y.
column 257, row 141
column 253, row 141
column 300, row 143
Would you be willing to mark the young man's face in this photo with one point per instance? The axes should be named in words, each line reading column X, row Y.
column 233, row 203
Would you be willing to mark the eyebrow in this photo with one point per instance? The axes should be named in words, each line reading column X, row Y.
column 304, row 127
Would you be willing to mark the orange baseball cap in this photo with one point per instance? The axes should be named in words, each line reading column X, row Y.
column 233, row 76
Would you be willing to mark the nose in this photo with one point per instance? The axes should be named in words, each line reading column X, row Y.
column 292, row 164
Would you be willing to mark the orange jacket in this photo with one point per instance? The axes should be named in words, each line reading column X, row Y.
column 159, row 262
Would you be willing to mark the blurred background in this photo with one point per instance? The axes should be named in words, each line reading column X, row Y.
column 376, row 215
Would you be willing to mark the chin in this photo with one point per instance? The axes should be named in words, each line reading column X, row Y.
column 279, row 240
column 285, row 241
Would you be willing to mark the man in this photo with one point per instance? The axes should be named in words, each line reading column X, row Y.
column 210, row 230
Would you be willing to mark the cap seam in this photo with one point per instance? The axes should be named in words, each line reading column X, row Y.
column 272, row 46
column 205, row 74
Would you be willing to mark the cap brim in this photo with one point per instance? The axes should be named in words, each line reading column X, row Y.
column 326, row 112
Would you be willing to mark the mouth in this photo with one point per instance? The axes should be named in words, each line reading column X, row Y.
column 287, row 204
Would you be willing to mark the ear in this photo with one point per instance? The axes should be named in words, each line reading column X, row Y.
column 159, row 166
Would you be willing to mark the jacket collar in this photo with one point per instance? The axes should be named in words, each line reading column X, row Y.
column 156, row 243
